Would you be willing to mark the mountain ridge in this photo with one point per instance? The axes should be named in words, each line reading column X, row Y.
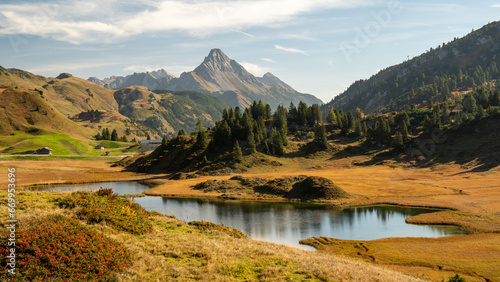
column 454, row 67
column 219, row 76
column 157, row 114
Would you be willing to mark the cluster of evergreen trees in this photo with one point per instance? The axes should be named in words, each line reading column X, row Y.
column 113, row 136
column 258, row 129
column 396, row 128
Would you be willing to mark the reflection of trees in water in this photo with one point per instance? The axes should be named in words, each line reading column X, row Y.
column 290, row 222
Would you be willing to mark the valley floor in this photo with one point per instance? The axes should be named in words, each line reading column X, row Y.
column 471, row 198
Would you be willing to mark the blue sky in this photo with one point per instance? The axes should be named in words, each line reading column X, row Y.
column 316, row 46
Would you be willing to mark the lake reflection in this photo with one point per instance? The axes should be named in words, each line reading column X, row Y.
column 285, row 223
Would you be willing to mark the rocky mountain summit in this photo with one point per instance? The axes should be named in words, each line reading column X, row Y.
column 219, row 76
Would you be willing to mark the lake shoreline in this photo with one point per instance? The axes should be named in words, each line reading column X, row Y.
column 469, row 197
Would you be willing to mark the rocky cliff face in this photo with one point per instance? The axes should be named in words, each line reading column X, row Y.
column 218, row 76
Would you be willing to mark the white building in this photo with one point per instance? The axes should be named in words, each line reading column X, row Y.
column 149, row 145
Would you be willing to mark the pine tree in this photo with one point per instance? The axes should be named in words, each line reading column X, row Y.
column 397, row 141
column 277, row 147
column 406, row 119
column 469, row 103
column 106, row 135
column 364, row 129
column 180, row 133
column 495, row 98
column 114, row 135
column 238, row 156
column 201, row 139
column 199, row 125
column 404, row 131
column 222, row 134
column 302, row 114
column 332, row 118
column 251, row 143
column 320, row 136
column 358, row 127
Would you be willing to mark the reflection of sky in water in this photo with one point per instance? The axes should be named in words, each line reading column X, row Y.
column 120, row 188
column 285, row 223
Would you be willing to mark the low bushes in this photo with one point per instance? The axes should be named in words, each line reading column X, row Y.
column 117, row 212
column 57, row 248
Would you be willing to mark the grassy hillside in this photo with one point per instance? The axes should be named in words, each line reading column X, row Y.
column 70, row 95
column 135, row 108
column 124, row 126
column 166, row 111
column 28, row 111
column 29, row 122
column 439, row 74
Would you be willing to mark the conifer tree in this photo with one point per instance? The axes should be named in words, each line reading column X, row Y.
column 107, row 136
column 397, row 141
column 199, row 125
column 201, row 139
column 277, row 147
column 251, row 143
column 332, row 118
column 404, row 131
column 469, row 103
column 114, row 135
column 320, row 136
column 238, row 156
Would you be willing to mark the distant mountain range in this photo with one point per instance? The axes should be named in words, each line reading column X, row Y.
column 438, row 74
column 218, row 76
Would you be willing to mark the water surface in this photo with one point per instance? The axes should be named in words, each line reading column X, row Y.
column 284, row 222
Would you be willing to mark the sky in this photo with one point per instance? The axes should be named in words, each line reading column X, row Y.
column 316, row 46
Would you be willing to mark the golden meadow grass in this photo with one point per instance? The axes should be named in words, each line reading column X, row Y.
column 171, row 250
column 472, row 198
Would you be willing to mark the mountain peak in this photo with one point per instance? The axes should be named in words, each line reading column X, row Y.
column 271, row 79
column 216, row 56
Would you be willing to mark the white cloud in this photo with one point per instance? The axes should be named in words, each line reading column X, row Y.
column 254, row 69
column 269, row 60
column 80, row 21
column 69, row 67
column 298, row 36
column 290, row 50
column 495, row 6
column 244, row 33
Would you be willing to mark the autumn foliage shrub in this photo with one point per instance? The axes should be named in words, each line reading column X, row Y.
column 103, row 205
column 57, row 248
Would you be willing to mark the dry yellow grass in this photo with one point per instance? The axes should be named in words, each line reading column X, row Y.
column 30, row 172
column 476, row 257
column 176, row 251
column 473, row 198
